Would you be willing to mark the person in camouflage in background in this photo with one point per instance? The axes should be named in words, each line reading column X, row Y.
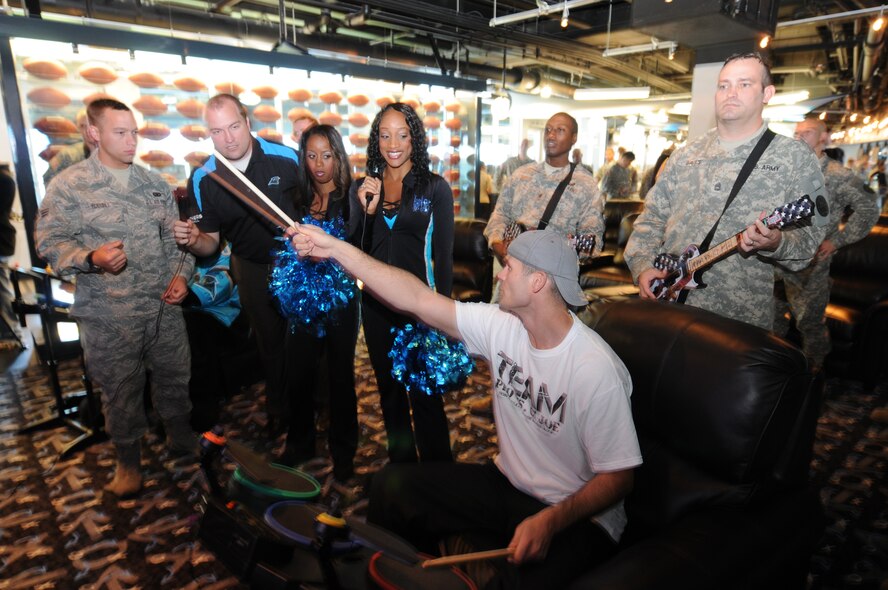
column 691, row 194
column 807, row 291
column 528, row 191
column 508, row 168
column 71, row 154
column 110, row 224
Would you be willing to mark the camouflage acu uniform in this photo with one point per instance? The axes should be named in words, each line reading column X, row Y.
column 123, row 328
column 688, row 198
column 617, row 183
column 807, row 291
column 66, row 157
column 528, row 191
column 507, row 169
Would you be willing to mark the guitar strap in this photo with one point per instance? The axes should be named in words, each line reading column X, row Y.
column 753, row 158
column 556, row 196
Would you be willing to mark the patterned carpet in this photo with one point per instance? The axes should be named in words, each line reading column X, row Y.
column 59, row 530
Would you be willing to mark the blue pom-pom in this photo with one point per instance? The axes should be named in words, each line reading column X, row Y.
column 308, row 292
column 426, row 359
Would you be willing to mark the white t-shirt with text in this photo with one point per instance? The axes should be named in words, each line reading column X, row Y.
column 562, row 414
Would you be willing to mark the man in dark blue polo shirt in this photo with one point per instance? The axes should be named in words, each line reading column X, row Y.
column 273, row 169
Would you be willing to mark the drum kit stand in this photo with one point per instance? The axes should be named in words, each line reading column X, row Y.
column 264, row 528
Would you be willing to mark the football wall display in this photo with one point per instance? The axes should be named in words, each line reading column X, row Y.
column 168, row 96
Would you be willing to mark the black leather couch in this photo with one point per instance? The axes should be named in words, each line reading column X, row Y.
column 472, row 261
column 725, row 414
column 857, row 314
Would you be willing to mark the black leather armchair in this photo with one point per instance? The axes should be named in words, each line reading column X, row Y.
column 616, row 271
column 607, row 276
column 472, row 261
column 857, row 314
column 725, row 414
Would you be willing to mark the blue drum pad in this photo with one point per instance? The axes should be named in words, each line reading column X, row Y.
column 296, row 521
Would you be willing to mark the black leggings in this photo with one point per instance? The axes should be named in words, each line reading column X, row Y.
column 339, row 344
column 431, row 437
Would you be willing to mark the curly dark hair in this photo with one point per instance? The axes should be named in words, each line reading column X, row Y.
column 419, row 157
column 341, row 171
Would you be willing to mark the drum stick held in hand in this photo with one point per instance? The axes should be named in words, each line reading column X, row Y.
column 239, row 175
column 281, row 223
column 477, row 556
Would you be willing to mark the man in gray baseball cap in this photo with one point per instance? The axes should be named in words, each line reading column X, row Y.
column 549, row 252
column 567, row 443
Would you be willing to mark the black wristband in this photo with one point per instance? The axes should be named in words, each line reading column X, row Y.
column 90, row 263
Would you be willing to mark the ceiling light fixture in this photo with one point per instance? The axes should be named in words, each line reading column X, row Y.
column 789, row 98
column 357, row 19
column 634, row 93
column 564, row 15
column 765, row 41
column 501, row 104
column 879, row 23
column 502, row 100
column 654, row 45
column 546, row 91
column 823, row 116
column 671, row 53
column 542, row 9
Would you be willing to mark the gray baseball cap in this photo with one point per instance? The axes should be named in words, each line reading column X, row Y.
column 549, row 252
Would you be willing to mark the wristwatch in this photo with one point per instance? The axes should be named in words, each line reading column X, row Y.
column 90, row 264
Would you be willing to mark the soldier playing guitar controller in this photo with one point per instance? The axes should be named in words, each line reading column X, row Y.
column 685, row 269
column 584, row 243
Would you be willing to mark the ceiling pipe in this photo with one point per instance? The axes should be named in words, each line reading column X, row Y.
column 872, row 49
column 835, row 16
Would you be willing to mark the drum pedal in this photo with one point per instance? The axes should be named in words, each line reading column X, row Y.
column 239, row 539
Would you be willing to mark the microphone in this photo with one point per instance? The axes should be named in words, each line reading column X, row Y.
column 185, row 203
column 369, row 196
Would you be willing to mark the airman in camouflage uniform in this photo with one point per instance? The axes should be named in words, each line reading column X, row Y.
column 528, row 191
column 70, row 154
column 690, row 195
column 807, row 291
column 110, row 224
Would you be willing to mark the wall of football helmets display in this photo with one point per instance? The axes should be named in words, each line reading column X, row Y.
column 168, row 94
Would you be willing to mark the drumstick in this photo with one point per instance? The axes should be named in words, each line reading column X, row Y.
column 247, row 200
column 239, row 175
column 477, row 556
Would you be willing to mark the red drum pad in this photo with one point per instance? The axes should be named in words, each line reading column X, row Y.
column 390, row 574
